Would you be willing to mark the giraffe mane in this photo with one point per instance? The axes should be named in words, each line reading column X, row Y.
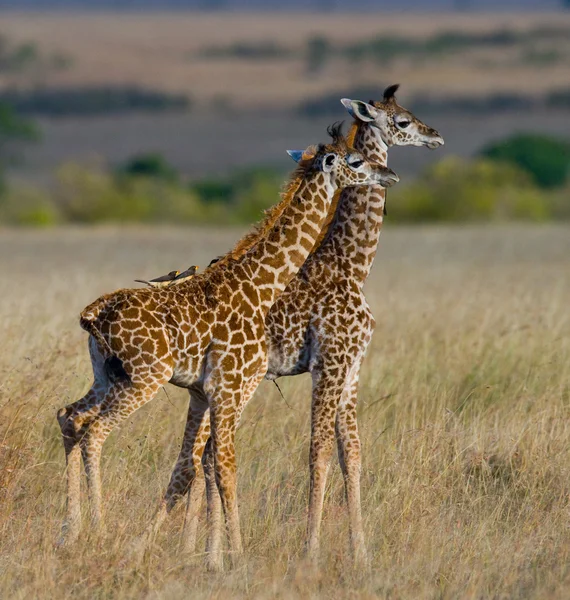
column 271, row 215
column 246, row 243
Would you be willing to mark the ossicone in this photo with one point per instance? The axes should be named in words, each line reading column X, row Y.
column 390, row 92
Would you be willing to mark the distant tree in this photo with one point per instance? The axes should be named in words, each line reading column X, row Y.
column 13, row 128
column 546, row 158
column 151, row 165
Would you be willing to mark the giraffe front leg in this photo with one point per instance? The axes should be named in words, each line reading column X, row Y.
column 226, row 406
column 191, row 481
column 223, row 425
column 327, row 390
column 349, row 453
column 214, row 503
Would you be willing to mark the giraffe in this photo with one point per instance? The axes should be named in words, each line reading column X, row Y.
column 205, row 334
column 321, row 324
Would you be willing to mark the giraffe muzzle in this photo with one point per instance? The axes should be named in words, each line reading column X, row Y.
column 387, row 178
column 435, row 142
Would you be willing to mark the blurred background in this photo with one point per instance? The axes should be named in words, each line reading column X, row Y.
column 181, row 111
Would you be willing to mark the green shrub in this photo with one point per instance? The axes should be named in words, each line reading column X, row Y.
column 151, row 165
column 27, row 206
column 246, row 192
column 253, row 200
column 91, row 196
column 452, row 190
column 14, row 127
column 547, row 159
column 458, row 190
column 267, row 50
column 213, row 191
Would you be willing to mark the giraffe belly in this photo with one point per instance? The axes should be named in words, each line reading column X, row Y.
column 187, row 369
column 288, row 359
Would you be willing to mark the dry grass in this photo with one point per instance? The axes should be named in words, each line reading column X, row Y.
column 160, row 50
column 464, row 412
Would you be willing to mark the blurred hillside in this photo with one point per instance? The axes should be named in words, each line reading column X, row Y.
column 216, row 94
column 256, row 61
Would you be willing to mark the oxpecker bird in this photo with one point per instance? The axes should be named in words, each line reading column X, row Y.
column 161, row 281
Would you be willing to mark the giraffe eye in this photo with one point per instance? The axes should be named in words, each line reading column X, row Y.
column 355, row 164
column 403, row 124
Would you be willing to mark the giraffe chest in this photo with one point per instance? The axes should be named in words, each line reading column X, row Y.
column 317, row 319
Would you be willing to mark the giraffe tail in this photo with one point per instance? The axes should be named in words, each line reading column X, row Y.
column 113, row 364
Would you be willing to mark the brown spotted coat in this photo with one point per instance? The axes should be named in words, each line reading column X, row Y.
column 322, row 324
column 206, row 334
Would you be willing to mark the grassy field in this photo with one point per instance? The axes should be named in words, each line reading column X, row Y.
column 168, row 51
column 464, row 412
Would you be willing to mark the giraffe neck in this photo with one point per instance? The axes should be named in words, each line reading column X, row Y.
column 352, row 238
column 279, row 254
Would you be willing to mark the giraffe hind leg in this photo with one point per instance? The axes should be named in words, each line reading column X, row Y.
column 327, row 391
column 120, row 401
column 115, row 370
column 348, row 443
column 186, row 478
column 71, row 526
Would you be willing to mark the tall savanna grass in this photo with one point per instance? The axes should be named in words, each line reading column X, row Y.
column 464, row 416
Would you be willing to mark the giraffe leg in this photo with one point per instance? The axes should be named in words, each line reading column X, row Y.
column 186, row 476
column 193, row 445
column 214, row 502
column 348, row 443
column 327, row 390
column 120, row 401
column 223, row 425
column 71, row 525
column 226, row 407
column 70, row 430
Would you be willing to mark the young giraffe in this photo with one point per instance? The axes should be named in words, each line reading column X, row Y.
column 321, row 324
column 206, row 334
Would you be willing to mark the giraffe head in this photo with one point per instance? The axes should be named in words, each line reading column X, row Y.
column 397, row 125
column 342, row 165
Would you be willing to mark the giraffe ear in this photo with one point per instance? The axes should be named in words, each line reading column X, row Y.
column 360, row 110
column 300, row 155
column 296, row 155
column 328, row 162
column 390, row 91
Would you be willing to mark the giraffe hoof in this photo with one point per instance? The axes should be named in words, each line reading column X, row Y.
column 214, row 563
column 67, row 538
column 137, row 550
column 360, row 559
column 312, row 554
